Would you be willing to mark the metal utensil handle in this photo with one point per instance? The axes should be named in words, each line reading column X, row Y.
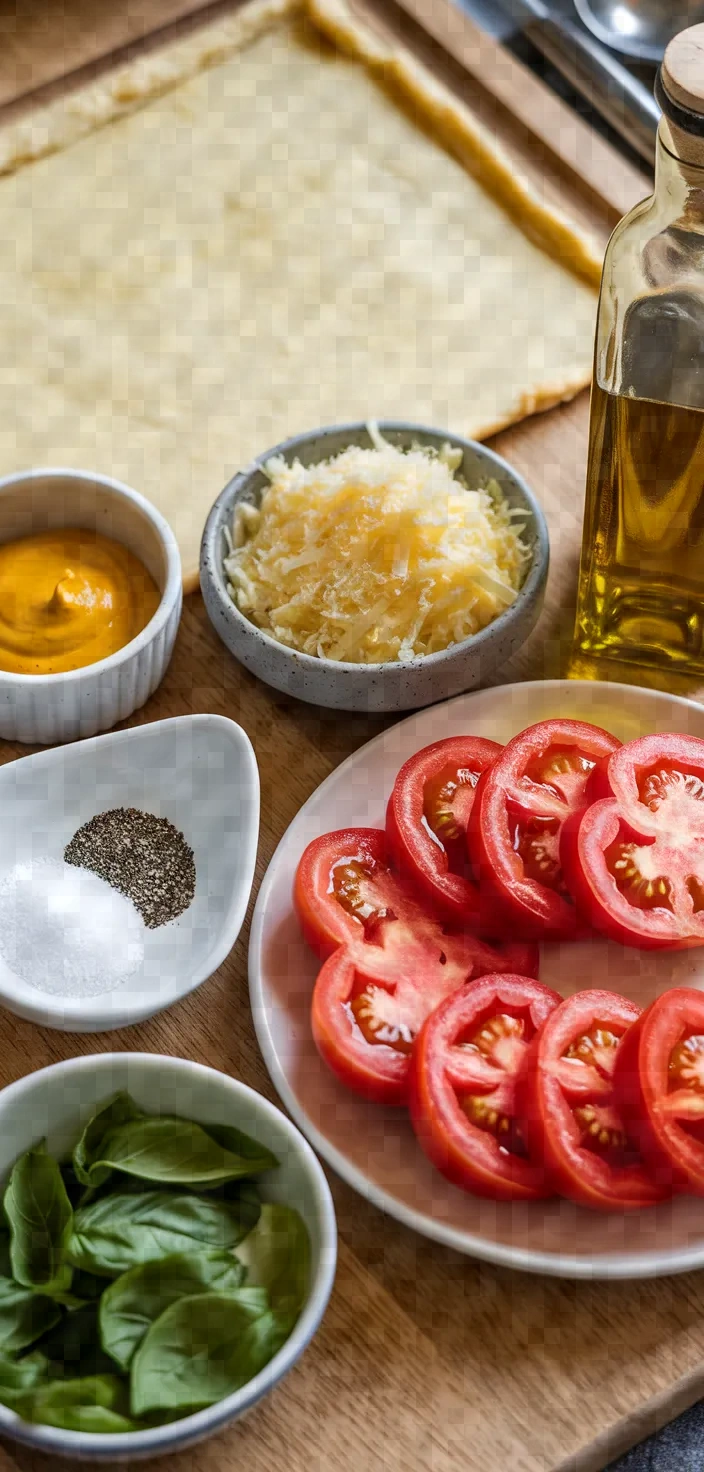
column 608, row 85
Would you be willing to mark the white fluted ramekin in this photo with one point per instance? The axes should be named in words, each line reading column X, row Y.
column 42, row 709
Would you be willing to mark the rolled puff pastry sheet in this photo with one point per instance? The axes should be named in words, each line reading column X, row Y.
column 245, row 236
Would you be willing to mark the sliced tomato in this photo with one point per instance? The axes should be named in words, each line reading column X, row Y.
column 567, row 1107
column 462, row 1086
column 659, row 1085
column 426, row 822
column 346, row 894
column 635, row 860
column 539, row 779
column 366, row 1013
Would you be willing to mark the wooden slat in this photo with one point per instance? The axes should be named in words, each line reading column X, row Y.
column 563, row 155
column 41, row 43
column 573, row 142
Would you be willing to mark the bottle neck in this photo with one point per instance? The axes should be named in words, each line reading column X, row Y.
column 679, row 179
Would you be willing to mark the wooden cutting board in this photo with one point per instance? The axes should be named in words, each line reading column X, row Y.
column 426, row 1361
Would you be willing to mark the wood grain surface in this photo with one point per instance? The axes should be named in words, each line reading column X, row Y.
column 426, row 1361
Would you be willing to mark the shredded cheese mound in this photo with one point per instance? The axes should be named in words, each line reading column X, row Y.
column 375, row 555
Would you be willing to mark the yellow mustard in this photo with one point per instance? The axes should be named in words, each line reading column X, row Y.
column 69, row 598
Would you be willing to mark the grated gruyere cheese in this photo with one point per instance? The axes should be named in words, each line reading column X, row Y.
column 375, row 555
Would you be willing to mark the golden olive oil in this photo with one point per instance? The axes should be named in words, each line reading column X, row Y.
column 641, row 582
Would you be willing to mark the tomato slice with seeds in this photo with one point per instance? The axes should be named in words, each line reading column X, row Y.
column 462, row 1086
column 522, row 801
column 426, row 822
column 568, row 1109
column 365, row 1027
column 659, row 1085
column 346, row 894
column 635, row 860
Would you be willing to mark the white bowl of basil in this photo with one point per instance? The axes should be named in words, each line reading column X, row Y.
column 167, row 1253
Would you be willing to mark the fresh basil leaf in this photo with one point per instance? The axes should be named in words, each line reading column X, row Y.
column 117, row 1232
column 83, row 1418
column 40, row 1216
column 19, row 1376
column 166, row 1150
column 202, row 1349
column 276, row 1254
column 257, row 1156
column 89, row 1403
column 117, row 1111
column 133, row 1302
column 25, row 1316
column 73, row 1347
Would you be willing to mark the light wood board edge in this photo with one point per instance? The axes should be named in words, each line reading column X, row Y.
column 649, row 1418
column 574, row 144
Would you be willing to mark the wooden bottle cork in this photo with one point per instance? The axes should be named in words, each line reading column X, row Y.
column 682, row 77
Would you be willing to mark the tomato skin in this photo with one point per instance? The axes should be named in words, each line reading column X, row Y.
column 583, row 840
column 546, row 1114
column 669, row 849
column 507, row 795
column 416, row 855
column 642, row 1085
column 378, row 1073
column 467, row 1155
column 326, row 925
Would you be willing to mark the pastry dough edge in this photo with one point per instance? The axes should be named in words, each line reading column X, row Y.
column 131, row 86
column 463, row 136
column 118, row 93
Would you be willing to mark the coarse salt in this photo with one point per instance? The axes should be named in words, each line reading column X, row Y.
column 65, row 931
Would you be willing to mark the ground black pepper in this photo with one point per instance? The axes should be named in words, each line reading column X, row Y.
column 144, row 857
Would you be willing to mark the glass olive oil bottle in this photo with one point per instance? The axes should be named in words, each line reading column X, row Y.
column 641, row 581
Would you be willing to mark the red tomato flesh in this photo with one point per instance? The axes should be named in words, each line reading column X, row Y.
column 635, row 860
column 567, row 1107
column 346, row 894
column 540, row 778
column 426, row 823
column 462, row 1086
column 659, row 1085
column 363, row 1057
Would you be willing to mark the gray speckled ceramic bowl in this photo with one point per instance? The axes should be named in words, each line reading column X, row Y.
column 404, row 684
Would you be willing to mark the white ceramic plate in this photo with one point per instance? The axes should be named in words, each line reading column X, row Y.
column 198, row 771
column 374, row 1149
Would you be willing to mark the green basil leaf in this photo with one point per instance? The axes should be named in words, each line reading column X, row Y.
column 117, row 1232
column 117, row 1111
column 167, row 1150
column 73, row 1347
column 24, row 1316
column 19, row 1376
column 258, row 1157
column 202, row 1349
column 40, row 1216
column 83, row 1418
column 133, row 1302
column 276, row 1254
column 93, row 1402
